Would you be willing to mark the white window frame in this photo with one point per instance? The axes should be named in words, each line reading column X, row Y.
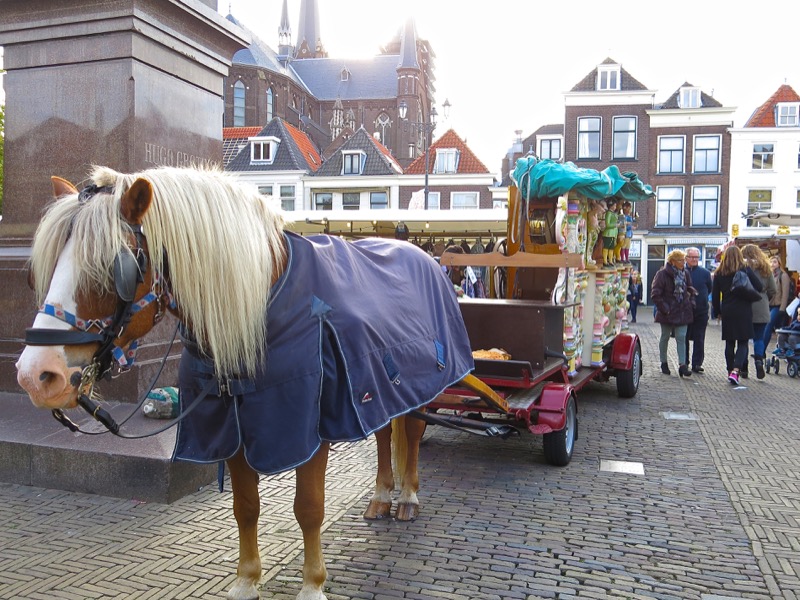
column 758, row 199
column 265, row 190
column 699, row 151
column 763, row 156
column 673, row 204
column 608, row 78
column 446, row 160
column 584, row 133
column 353, row 162
column 787, row 114
column 705, row 203
column 263, row 149
column 690, row 97
column 349, row 206
column 546, row 148
column 667, row 155
column 323, row 201
column 378, row 205
column 464, row 200
column 434, row 200
column 288, row 197
column 630, row 136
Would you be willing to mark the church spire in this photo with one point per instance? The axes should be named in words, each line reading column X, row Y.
column 408, row 47
column 309, row 43
column 285, row 32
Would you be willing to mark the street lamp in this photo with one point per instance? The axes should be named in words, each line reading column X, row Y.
column 426, row 128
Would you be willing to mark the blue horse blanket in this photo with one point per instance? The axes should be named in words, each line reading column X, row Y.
column 357, row 333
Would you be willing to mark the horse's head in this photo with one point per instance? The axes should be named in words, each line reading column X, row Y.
column 96, row 289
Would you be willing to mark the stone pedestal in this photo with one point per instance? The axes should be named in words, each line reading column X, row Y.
column 131, row 84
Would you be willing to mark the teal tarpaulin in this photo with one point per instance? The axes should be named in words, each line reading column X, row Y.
column 549, row 179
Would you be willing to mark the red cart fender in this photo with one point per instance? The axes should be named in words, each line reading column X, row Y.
column 552, row 405
column 622, row 351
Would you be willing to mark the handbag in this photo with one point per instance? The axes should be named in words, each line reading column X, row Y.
column 742, row 287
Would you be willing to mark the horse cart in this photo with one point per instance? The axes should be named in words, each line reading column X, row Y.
column 560, row 320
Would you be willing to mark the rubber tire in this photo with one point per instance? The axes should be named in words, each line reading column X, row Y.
column 791, row 368
column 628, row 380
column 559, row 445
column 777, row 366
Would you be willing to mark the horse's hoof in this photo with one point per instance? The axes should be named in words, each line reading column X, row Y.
column 243, row 590
column 378, row 510
column 407, row 511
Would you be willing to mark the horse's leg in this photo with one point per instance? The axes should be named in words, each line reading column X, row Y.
column 246, row 508
column 407, row 502
column 309, row 510
column 380, row 505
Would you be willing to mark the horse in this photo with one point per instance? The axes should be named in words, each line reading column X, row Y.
column 290, row 343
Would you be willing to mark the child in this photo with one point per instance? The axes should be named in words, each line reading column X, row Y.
column 787, row 342
column 610, row 233
column 627, row 218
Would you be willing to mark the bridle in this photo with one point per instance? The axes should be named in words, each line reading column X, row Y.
column 109, row 360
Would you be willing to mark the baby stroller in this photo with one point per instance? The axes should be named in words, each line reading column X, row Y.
column 790, row 355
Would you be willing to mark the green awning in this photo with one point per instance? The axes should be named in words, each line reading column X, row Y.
column 549, row 179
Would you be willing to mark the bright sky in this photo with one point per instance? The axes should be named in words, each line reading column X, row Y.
column 504, row 65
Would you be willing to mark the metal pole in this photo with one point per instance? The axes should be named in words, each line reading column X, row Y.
column 427, row 148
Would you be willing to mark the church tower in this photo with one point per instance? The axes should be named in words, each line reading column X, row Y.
column 309, row 42
column 410, row 92
column 285, row 33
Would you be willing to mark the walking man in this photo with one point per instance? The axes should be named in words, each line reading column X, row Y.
column 696, row 332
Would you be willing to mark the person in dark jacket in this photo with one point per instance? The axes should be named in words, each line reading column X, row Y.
column 635, row 289
column 696, row 332
column 673, row 294
column 736, row 312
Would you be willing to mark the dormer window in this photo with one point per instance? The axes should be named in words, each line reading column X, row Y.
column 689, row 97
column 345, row 74
column 446, row 160
column 608, row 77
column 353, row 162
column 786, row 114
column 263, row 149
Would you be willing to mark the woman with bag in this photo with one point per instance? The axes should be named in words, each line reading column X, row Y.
column 734, row 305
column 778, row 304
column 673, row 295
column 757, row 261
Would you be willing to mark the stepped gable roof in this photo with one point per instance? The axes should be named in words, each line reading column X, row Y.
column 468, row 163
column 627, row 82
column 295, row 152
column 706, row 101
column 764, row 115
column 379, row 160
column 232, row 140
column 367, row 78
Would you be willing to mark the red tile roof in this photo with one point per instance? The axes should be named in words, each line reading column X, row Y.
column 306, row 147
column 764, row 115
column 239, row 132
column 467, row 163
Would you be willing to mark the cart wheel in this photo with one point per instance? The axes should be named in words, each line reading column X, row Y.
column 791, row 368
column 558, row 445
column 628, row 380
column 777, row 365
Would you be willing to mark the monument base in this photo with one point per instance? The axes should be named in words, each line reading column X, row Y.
column 36, row 450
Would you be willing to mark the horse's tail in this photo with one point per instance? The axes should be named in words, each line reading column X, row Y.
column 399, row 447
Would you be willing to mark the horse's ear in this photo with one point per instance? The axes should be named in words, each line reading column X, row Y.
column 62, row 187
column 136, row 201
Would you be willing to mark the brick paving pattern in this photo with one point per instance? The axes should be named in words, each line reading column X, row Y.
column 716, row 514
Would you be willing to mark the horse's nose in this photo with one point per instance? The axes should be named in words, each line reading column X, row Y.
column 44, row 382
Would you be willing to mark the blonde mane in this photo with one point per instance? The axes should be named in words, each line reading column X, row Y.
column 222, row 240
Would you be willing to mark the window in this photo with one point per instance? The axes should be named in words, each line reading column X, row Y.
column 434, row 200
column 689, row 97
column 706, row 153
column 669, row 207
column 589, row 137
column 412, row 151
column 446, row 161
column 238, row 104
column 464, row 200
column 797, row 200
column 270, row 105
column 263, row 149
column 798, row 156
column 378, row 200
column 608, row 77
column 351, row 201
column 287, row 197
column 550, row 149
column 705, row 206
column 265, row 190
column 786, row 114
column 323, row 201
column 758, row 200
column 762, row 156
column 353, row 163
column 624, row 137
column 670, row 154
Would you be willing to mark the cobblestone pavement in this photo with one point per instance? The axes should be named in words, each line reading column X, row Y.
column 715, row 514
